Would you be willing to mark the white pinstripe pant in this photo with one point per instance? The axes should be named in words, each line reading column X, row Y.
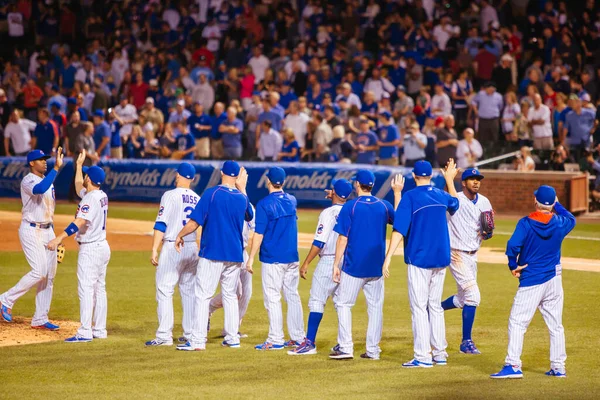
column 345, row 298
column 322, row 286
column 91, row 278
column 244, row 292
column 549, row 298
column 208, row 276
column 175, row 268
column 43, row 270
column 275, row 279
column 463, row 267
column 425, row 287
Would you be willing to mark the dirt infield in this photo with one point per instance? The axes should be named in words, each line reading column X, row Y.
column 19, row 332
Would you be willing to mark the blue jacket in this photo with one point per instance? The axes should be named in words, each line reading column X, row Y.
column 537, row 242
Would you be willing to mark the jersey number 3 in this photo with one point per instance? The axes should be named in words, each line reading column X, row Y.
column 188, row 212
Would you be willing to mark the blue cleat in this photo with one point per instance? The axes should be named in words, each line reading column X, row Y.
column 6, row 313
column 268, row 346
column 556, row 373
column 78, row 339
column 508, row 372
column 414, row 363
column 306, row 348
column 340, row 355
column 225, row 343
column 158, row 342
column 291, row 343
column 182, row 339
column 468, row 347
column 187, row 346
column 336, row 348
column 440, row 362
column 47, row 326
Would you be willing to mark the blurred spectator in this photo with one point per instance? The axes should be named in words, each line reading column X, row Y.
column 440, row 102
column 509, row 116
column 414, row 143
column 17, row 133
column 468, row 150
column 539, row 118
column 366, row 143
column 128, row 114
column 579, row 125
column 522, row 127
column 185, row 143
column 321, row 138
column 102, row 134
column 461, row 91
column 487, row 105
column 73, row 131
column 524, row 161
column 45, row 136
column 558, row 158
column 389, row 140
column 86, row 142
column 447, row 139
column 269, row 143
column 232, row 129
column 290, row 151
column 216, row 138
column 200, row 127
column 116, row 144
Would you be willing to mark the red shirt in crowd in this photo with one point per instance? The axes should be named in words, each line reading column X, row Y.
column 138, row 93
column 485, row 64
column 203, row 51
column 32, row 96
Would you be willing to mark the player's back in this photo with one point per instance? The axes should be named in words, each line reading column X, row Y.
column 276, row 219
column 327, row 220
column 94, row 209
column 37, row 208
column 364, row 222
column 176, row 206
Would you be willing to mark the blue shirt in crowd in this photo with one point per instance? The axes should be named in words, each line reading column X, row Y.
column 579, row 127
column 44, row 133
column 101, row 131
column 216, row 121
column 276, row 220
column 421, row 219
column 288, row 148
column 202, row 120
column 221, row 212
column 233, row 140
column 388, row 134
column 363, row 221
column 186, row 141
column 274, row 117
column 489, row 106
column 115, row 138
column 366, row 139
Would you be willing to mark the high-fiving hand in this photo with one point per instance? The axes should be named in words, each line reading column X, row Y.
column 59, row 159
column 80, row 158
column 398, row 183
column 450, row 171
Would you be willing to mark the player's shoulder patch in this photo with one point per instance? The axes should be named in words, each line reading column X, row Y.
column 320, row 229
column 85, row 208
column 161, row 210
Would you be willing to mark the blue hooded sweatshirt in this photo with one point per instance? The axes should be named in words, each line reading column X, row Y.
column 536, row 243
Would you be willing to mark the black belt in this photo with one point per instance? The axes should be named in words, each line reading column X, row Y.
column 467, row 252
column 185, row 241
column 97, row 241
column 41, row 226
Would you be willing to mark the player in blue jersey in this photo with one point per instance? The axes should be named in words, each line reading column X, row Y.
column 219, row 218
column 533, row 253
column 361, row 226
column 421, row 220
column 276, row 235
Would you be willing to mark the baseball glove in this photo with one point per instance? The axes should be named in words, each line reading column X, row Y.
column 486, row 220
column 60, row 253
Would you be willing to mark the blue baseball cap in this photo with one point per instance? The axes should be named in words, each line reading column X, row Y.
column 231, row 168
column 342, row 188
column 95, row 173
column 422, row 168
column 471, row 173
column 71, row 100
column 386, row 114
column 365, row 177
column 186, row 170
column 99, row 113
column 35, row 155
column 545, row 195
column 276, row 175
column 54, row 104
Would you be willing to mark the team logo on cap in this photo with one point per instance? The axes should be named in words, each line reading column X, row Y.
column 85, row 208
column 474, row 172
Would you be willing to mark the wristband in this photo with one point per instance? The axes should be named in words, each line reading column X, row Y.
column 71, row 229
column 160, row 226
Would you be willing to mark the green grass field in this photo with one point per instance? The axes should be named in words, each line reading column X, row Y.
column 122, row 368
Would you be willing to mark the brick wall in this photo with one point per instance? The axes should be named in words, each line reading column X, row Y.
column 511, row 192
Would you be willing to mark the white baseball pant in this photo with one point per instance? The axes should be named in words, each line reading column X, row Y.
column 208, row 276
column 322, row 286
column 174, row 269
column 345, row 298
column 244, row 292
column 549, row 298
column 425, row 287
column 43, row 270
column 463, row 267
column 275, row 279
column 91, row 286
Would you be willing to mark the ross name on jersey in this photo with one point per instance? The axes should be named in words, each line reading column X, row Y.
column 189, row 199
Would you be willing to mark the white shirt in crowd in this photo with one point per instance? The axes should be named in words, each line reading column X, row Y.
column 259, row 65
column 543, row 113
column 127, row 113
column 213, row 35
column 171, row 16
column 19, row 134
column 510, row 112
column 443, row 33
column 93, row 208
column 299, row 125
column 289, row 67
column 352, row 100
column 15, row 24
column 378, row 86
column 467, row 154
column 118, row 68
column 441, row 106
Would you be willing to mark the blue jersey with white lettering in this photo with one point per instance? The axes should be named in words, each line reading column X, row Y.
column 276, row 220
column 421, row 219
column 221, row 213
column 363, row 221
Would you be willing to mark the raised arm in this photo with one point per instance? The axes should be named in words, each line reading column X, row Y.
column 45, row 184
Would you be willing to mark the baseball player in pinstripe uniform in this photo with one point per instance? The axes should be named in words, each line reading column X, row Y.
column 276, row 236
column 533, row 253
column 94, row 252
column 323, row 245
column 175, row 268
column 427, row 254
column 244, row 289
column 361, row 226
column 219, row 216
column 37, row 196
column 465, row 240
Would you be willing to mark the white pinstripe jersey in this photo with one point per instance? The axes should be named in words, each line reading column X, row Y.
column 38, row 208
column 249, row 227
column 327, row 220
column 464, row 226
column 93, row 207
column 175, row 208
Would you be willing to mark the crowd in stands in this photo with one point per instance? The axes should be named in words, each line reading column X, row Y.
column 364, row 81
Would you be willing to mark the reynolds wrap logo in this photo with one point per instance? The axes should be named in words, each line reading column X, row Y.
column 14, row 170
column 147, row 178
column 308, row 181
